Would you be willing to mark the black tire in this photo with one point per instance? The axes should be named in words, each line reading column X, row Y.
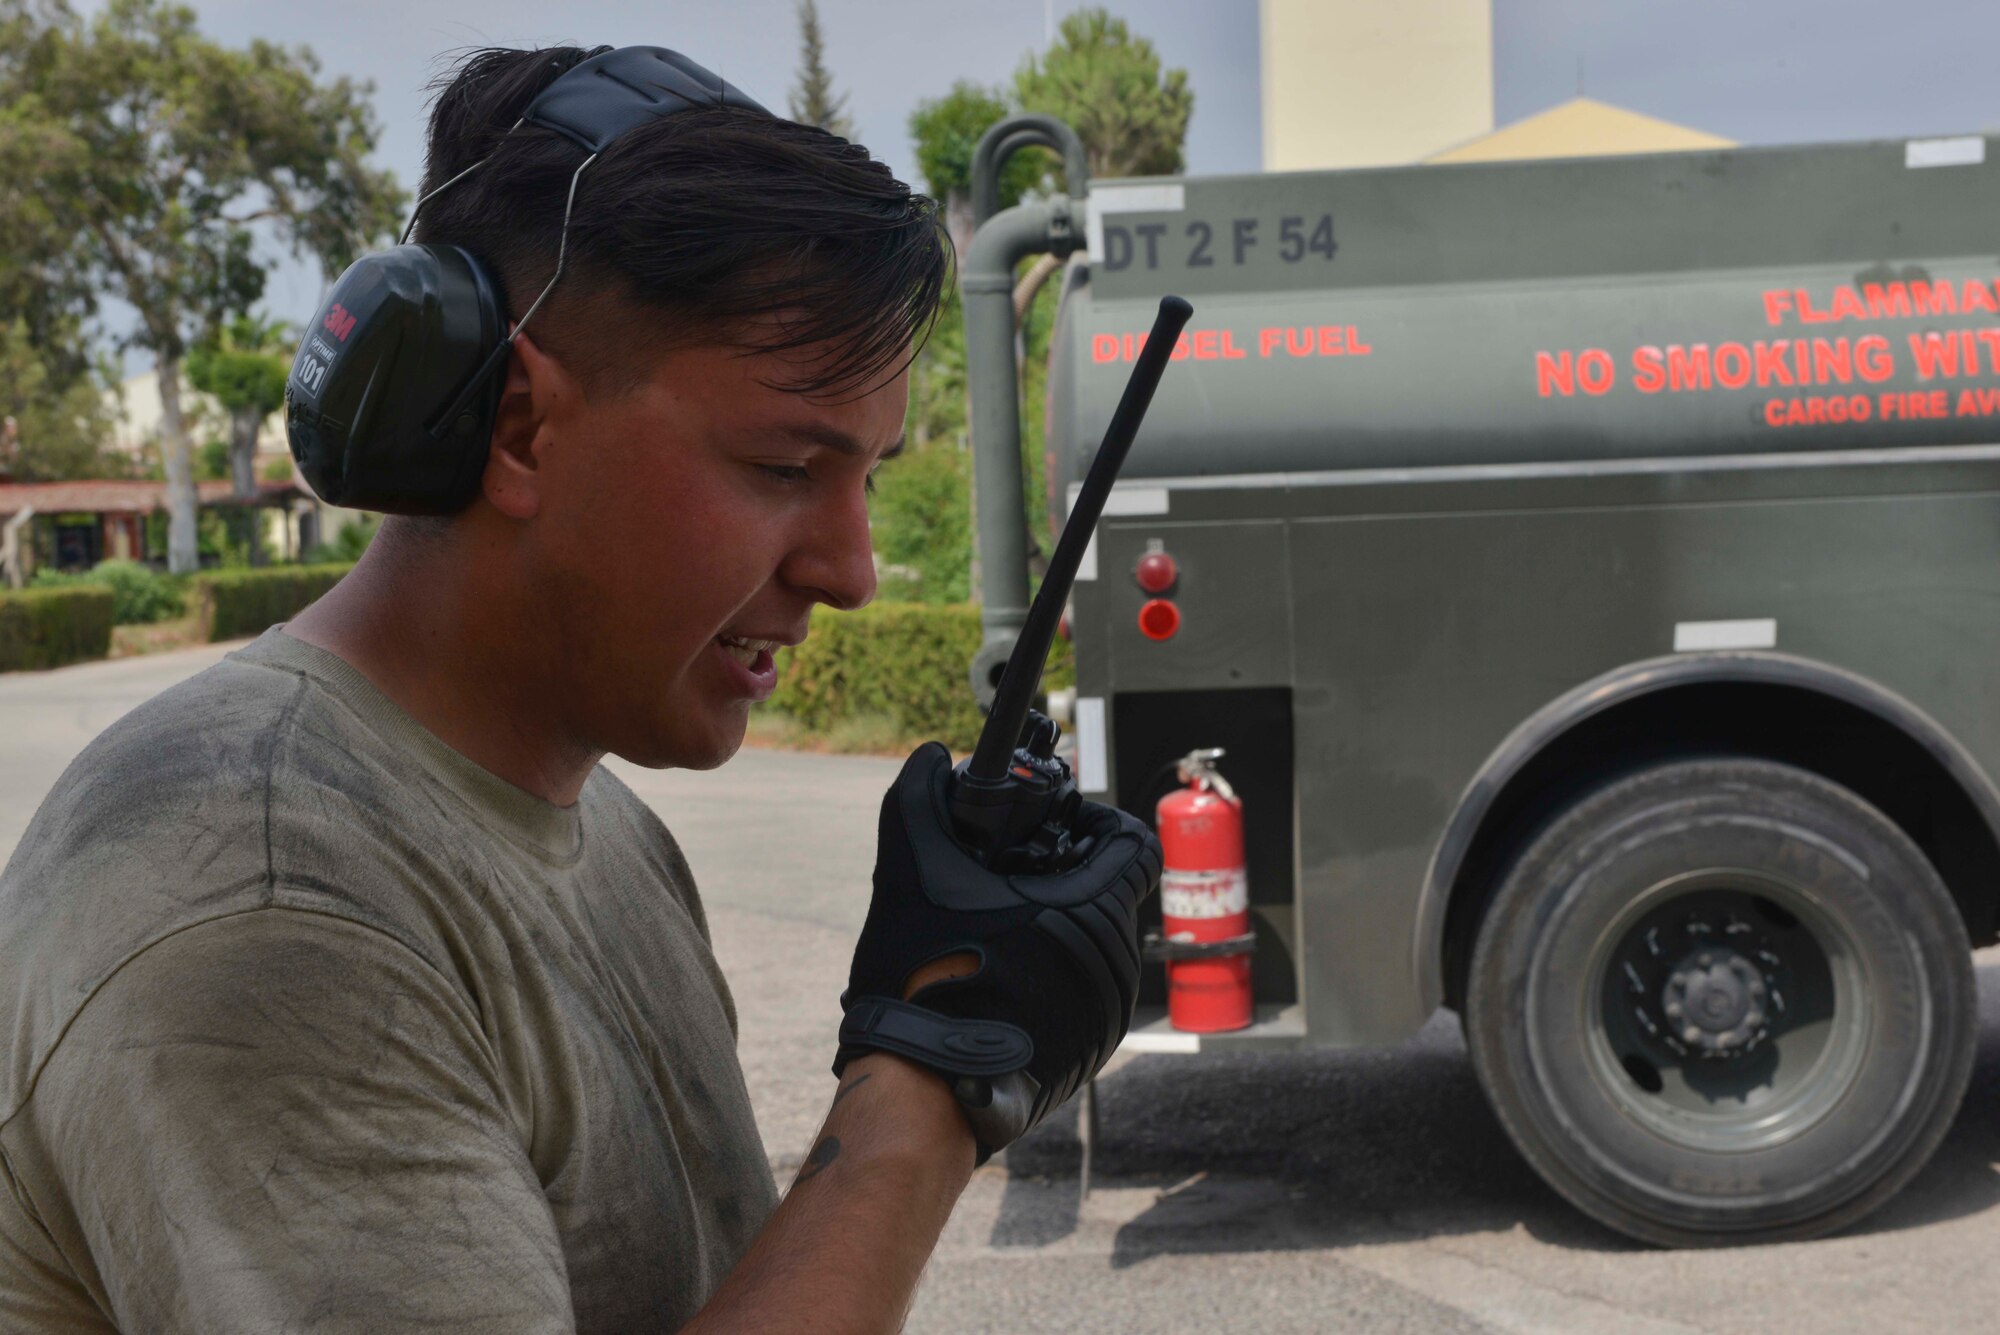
column 1819, row 971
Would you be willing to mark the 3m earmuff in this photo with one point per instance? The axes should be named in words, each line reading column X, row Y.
column 392, row 395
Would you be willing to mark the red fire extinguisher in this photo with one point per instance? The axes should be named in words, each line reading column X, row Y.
column 1205, row 900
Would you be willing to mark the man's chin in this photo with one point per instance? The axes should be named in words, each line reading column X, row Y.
column 690, row 748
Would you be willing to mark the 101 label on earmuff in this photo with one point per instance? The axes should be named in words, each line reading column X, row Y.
column 310, row 373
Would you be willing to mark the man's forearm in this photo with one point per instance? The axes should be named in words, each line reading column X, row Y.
column 844, row 1250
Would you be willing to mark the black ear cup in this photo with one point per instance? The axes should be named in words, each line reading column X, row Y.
column 398, row 339
column 391, row 399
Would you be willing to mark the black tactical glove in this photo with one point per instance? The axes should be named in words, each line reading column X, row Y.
column 1058, row 956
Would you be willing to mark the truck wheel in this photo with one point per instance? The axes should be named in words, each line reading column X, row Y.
column 1723, row 1001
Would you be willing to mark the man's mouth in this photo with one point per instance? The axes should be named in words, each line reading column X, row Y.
column 748, row 652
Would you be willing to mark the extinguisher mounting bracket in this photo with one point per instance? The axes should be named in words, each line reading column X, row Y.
column 1157, row 948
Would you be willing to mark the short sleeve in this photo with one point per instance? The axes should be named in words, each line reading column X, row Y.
column 283, row 1120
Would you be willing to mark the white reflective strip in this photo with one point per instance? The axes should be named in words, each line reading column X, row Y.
column 1137, row 501
column 1121, row 501
column 1962, row 151
column 1161, row 1042
column 1091, row 775
column 1721, row 463
column 1128, row 500
column 1693, row 636
column 1126, row 199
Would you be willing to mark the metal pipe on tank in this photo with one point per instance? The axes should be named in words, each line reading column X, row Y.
column 1003, row 240
column 992, row 380
column 1006, row 138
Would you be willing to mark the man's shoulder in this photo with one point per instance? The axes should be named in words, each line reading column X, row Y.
column 187, row 765
column 205, row 801
column 184, row 784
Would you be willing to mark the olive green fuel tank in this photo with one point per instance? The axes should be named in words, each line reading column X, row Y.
column 1716, row 303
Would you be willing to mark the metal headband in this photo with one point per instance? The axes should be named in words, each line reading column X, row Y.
column 593, row 103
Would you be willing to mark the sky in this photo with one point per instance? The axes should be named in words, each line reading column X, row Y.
column 1756, row 71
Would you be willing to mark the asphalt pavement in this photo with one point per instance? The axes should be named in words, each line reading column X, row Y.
column 1289, row 1192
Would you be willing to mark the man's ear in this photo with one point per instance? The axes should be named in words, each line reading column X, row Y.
column 537, row 386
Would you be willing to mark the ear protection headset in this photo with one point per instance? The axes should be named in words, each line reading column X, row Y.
column 391, row 398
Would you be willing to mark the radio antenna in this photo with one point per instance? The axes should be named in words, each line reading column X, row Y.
column 1002, row 733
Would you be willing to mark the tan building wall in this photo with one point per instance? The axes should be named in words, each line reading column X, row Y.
column 1373, row 83
column 138, row 412
column 137, row 415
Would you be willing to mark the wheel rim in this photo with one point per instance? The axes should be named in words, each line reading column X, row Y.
column 1726, row 1011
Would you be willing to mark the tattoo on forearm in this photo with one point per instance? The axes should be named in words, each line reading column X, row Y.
column 822, row 1156
column 849, row 1088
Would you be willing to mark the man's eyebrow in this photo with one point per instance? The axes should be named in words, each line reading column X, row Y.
column 839, row 441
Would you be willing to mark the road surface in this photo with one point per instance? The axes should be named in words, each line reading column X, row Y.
column 1277, row 1193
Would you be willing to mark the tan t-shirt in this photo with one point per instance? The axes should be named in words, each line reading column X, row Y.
column 314, row 1025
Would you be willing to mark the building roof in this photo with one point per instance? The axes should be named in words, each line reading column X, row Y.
column 121, row 496
column 1581, row 128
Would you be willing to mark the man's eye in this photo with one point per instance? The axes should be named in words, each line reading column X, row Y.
column 787, row 472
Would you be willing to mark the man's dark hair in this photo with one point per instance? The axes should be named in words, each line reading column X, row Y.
column 715, row 224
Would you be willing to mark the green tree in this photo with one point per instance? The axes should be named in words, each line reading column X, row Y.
column 1109, row 86
column 813, row 100
column 51, row 386
column 922, row 520
column 923, row 507
column 163, row 154
column 211, row 461
column 51, row 427
column 244, row 367
column 945, row 131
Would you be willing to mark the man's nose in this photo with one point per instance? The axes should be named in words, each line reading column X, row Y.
column 837, row 558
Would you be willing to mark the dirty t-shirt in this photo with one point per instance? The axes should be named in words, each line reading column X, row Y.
column 314, row 1025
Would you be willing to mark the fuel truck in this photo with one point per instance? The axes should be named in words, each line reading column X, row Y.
column 1590, row 572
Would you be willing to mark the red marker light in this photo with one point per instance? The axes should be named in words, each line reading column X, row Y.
column 1156, row 572
column 1159, row 619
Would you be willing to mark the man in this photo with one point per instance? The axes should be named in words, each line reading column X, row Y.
column 347, row 991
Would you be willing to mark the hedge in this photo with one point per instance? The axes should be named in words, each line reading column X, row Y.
column 44, row 628
column 139, row 593
column 236, row 603
column 906, row 663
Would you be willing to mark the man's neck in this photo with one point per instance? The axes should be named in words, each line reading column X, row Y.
column 459, row 661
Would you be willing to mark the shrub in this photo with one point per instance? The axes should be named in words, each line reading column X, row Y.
column 211, row 461
column 347, row 545
column 43, row 628
column 236, row 603
column 140, row 594
column 921, row 520
column 901, row 667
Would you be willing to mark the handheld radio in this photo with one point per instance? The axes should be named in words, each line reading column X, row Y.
column 1013, row 802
